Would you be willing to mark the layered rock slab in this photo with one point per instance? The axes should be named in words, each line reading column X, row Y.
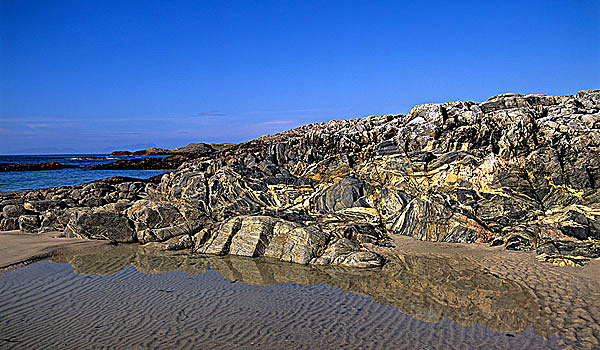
column 254, row 236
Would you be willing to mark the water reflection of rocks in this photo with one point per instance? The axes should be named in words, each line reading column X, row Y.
column 426, row 288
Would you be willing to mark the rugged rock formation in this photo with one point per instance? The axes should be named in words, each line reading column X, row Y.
column 34, row 167
column 519, row 170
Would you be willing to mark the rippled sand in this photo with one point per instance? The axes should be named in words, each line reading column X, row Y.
column 428, row 296
column 563, row 301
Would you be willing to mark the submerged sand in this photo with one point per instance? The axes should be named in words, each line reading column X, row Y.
column 428, row 295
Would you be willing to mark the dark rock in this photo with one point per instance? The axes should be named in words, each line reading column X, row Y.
column 29, row 223
column 10, row 201
column 387, row 147
column 119, row 207
column 185, row 242
column 157, row 221
column 580, row 224
column 195, row 148
column 91, row 202
column 430, row 221
column 172, row 162
column 517, row 243
column 98, row 224
column 54, row 220
column 34, row 167
column 42, row 206
column 497, row 242
column 572, row 248
column 347, row 193
column 13, row 211
column 192, row 148
column 9, row 224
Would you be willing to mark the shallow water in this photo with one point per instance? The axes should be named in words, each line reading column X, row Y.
column 131, row 297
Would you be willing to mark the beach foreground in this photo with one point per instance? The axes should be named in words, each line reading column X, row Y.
column 444, row 296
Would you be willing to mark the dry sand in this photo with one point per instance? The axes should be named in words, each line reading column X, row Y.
column 18, row 248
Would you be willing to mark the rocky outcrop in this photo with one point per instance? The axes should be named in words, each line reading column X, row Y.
column 177, row 157
column 168, row 163
column 192, row 148
column 34, row 167
column 518, row 170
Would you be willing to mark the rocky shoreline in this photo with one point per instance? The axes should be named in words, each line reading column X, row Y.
column 130, row 160
column 521, row 171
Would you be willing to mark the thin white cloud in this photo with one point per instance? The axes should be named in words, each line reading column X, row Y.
column 286, row 111
column 35, row 120
column 39, row 125
column 278, row 122
column 128, row 133
column 213, row 113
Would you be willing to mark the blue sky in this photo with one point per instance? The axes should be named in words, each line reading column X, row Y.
column 94, row 76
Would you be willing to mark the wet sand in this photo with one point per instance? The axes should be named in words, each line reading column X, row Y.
column 565, row 300
column 428, row 296
column 18, row 248
column 46, row 305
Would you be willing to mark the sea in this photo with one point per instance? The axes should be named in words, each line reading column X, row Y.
column 14, row 181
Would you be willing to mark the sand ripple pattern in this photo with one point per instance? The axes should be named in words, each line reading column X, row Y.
column 47, row 306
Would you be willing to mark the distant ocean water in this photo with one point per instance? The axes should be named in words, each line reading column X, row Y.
column 28, row 180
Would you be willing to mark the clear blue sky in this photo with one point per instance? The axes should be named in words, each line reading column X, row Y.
column 94, row 76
